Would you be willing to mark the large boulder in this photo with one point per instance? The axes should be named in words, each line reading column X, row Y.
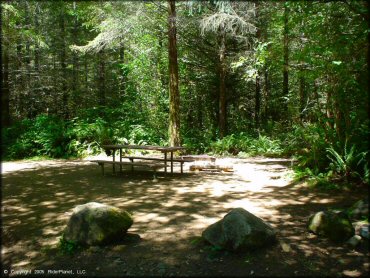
column 332, row 224
column 239, row 230
column 97, row 224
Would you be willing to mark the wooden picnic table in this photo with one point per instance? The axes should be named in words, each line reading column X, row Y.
column 164, row 150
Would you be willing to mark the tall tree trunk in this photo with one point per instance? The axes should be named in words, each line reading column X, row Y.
column 200, row 111
column 286, row 56
column 122, row 81
column 302, row 97
column 174, row 127
column 101, row 79
column 266, row 109
column 75, row 92
column 257, row 107
column 63, row 62
column 5, row 117
column 222, row 77
column 368, row 59
column 30, row 97
column 37, row 47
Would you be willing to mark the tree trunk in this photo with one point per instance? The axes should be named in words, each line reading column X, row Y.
column 75, row 93
column 5, row 76
column 37, row 47
column 286, row 57
column 123, row 73
column 101, row 79
column 63, row 62
column 257, row 102
column 222, row 77
column 29, row 97
column 174, row 127
column 266, row 95
column 302, row 97
column 368, row 59
column 257, row 107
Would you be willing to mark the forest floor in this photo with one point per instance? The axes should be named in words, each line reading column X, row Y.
column 170, row 214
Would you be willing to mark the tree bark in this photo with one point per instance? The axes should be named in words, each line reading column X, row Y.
column 222, row 77
column 5, row 110
column 123, row 73
column 266, row 110
column 174, row 126
column 257, row 102
column 286, row 56
column 368, row 59
column 302, row 97
column 63, row 62
column 257, row 107
column 75, row 62
column 101, row 79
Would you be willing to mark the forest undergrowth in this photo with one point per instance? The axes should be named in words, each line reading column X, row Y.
column 322, row 163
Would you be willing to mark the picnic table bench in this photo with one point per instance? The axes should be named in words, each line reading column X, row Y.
column 153, row 167
column 179, row 160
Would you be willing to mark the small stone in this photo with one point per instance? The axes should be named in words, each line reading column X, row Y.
column 252, row 272
column 286, row 248
column 354, row 241
column 97, row 268
column 118, row 248
column 94, row 249
column 364, row 232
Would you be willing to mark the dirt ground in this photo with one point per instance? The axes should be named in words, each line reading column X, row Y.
column 170, row 212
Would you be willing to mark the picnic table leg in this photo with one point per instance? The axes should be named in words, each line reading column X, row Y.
column 171, row 162
column 132, row 165
column 165, row 162
column 120, row 160
column 181, row 163
column 102, row 168
column 114, row 160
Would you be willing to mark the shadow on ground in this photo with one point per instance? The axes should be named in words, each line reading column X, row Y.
column 170, row 214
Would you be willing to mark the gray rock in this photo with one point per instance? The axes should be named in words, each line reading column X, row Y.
column 354, row 241
column 360, row 209
column 239, row 229
column 361, row 228
column 97, row 224
column 364, row 231
column 334, row 225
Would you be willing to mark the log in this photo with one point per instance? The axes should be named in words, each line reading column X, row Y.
column 211, row 167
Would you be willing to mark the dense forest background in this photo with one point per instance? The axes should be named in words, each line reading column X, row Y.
column 277, row 78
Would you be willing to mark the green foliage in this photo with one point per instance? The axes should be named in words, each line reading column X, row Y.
column 45, row 136
column 245, row 145
column 68, row 247
column 349, row 164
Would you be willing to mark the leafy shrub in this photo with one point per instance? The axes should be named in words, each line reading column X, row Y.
column 349, row 164
column 44, row 136
column 245, row 145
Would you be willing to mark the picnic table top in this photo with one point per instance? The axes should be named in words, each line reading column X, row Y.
column 139, row 147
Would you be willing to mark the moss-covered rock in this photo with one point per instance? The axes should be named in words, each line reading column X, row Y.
column 97, row 224
column 239, row 230
column 334, row 225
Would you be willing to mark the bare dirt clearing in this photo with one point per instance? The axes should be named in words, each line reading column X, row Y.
column 170, row 214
